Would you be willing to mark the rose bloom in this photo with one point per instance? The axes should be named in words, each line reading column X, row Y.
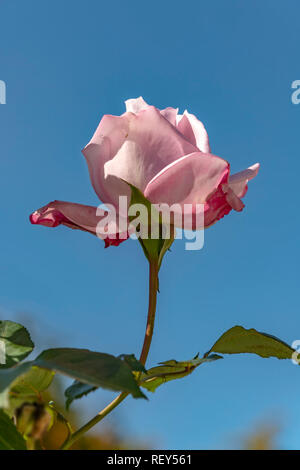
column 164, row 154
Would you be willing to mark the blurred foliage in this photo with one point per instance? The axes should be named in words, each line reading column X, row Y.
column 33, row 419
column 264, row 436
column 108, row 437
column 39, row 412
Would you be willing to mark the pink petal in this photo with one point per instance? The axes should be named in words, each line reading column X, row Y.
column 190, row 180
column 238, row 181
column 220, row 203
column 216, row 207
column 170, row 114
column 194, row 131
column 75, row 216
column 228, row 195
column 135, row 105
column 152, row 143
column 233, row 200
column 109, row 137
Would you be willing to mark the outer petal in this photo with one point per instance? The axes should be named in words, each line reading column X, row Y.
column 219, row 204
column 75, row 216
column 238, row 181
column 194, row 131
column 227, row 196
column 216, row 207
column 190, row 180
column 106, row 142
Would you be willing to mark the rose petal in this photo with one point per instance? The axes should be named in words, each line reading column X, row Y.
column 104, row 145
column 189, row 180
column 238, row 181
column 216, row 207
column 135, row 105
column 170, row 114
column 233, row 200
column 152, row 143
column 227, row 196
column 194, row 131
column 75, row 216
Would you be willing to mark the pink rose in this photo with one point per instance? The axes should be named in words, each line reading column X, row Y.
column 164, row 154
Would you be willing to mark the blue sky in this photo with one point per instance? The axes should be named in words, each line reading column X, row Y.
column 231, row 63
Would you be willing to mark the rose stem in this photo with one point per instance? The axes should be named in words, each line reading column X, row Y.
column 153, row 285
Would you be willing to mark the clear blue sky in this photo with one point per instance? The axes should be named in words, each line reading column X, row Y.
column 230, row 63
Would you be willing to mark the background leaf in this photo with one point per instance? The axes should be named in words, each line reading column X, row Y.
column 23, row 383
column 7, row 377
column 77, row 390
column 17, row 342
column 34, row 381
column 94, row 368
column 240, row 340
column 10, row 438
column 29, row 386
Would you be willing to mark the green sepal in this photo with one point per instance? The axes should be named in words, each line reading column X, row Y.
column 154, row 249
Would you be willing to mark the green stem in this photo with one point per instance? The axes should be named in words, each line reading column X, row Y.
column 153, row 286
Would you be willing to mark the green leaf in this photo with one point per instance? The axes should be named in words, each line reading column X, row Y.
column 29, row 386
column 60, row 417
column 77, row 390
column 132, row 362
column 240, row 340
column 15, row 342
column 154, row 249
column 33, row 382
column 94, row 368
column 90, row 369
column 7, row 377
column 172, row 370
column 22, row 383
column 10, row 438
